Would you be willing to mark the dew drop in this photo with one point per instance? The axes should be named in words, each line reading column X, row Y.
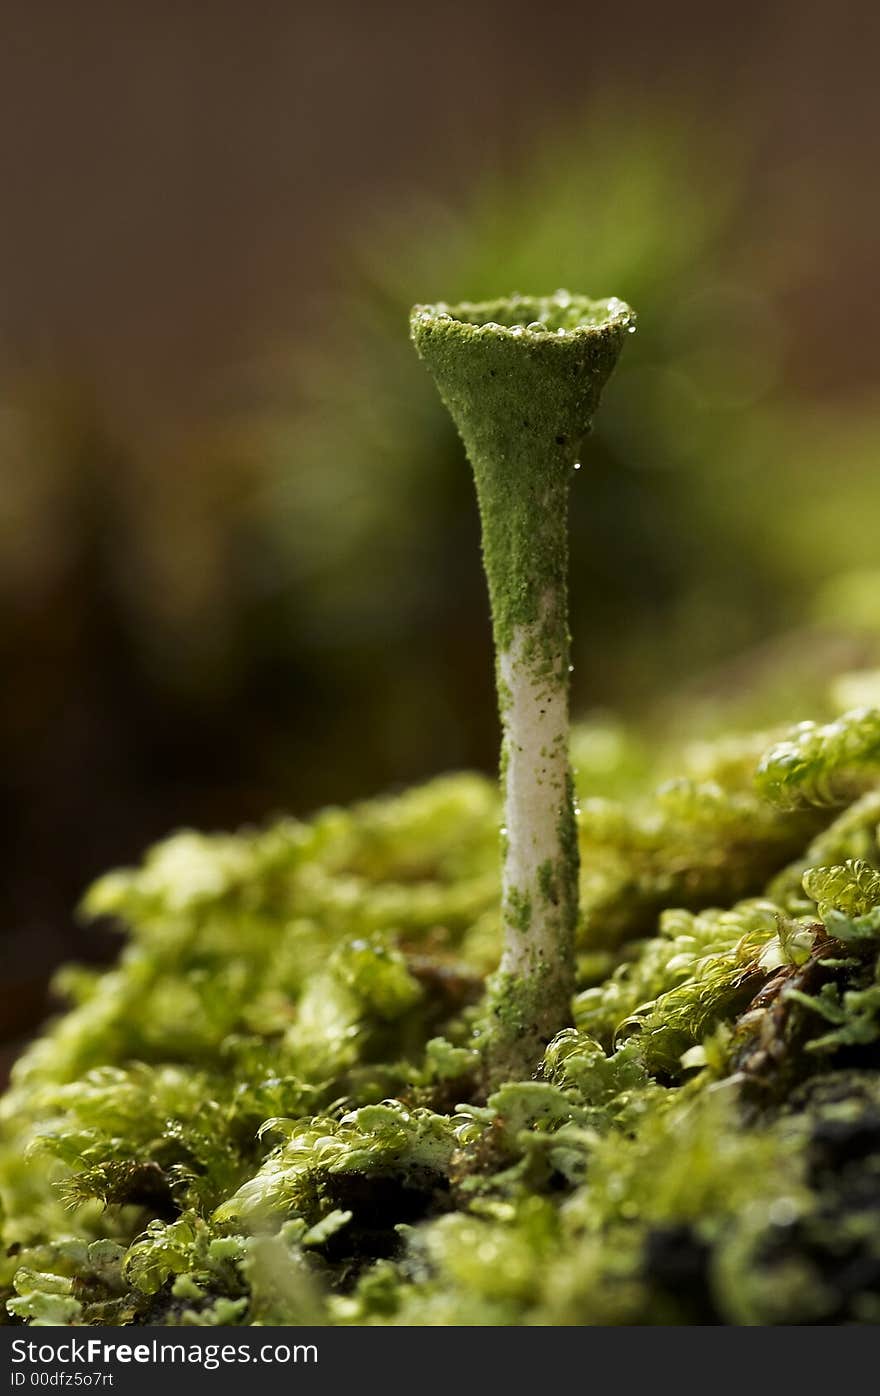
column 577, row 465
column 631, row 329
column 536, row 325
column 518, row 330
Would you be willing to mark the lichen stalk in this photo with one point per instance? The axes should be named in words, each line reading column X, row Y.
column 535, row 979
column 521, row 378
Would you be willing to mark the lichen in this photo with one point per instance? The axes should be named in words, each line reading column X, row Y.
column 521, row 378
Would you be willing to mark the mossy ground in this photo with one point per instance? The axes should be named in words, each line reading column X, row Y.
column 270, row 1110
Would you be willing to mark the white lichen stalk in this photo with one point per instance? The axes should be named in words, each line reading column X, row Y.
column 537, row 793
column 530, row 994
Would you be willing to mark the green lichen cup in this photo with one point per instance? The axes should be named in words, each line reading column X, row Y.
column 521, row 378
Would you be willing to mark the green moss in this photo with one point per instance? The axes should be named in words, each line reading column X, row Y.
column 824, row 765
column 852, row 834
column 311, row 1145
column 708, row 840
column 853, row 889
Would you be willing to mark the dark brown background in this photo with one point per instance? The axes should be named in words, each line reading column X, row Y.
column 178, row 179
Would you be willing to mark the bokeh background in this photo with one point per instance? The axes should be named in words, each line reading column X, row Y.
column 239, row 564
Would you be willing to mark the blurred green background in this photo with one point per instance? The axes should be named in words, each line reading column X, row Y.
column 239, row 563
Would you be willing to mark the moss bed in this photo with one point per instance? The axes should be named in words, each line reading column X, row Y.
column 270, row 1110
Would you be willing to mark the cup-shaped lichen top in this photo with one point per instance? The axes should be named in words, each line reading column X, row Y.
column 521, row 378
